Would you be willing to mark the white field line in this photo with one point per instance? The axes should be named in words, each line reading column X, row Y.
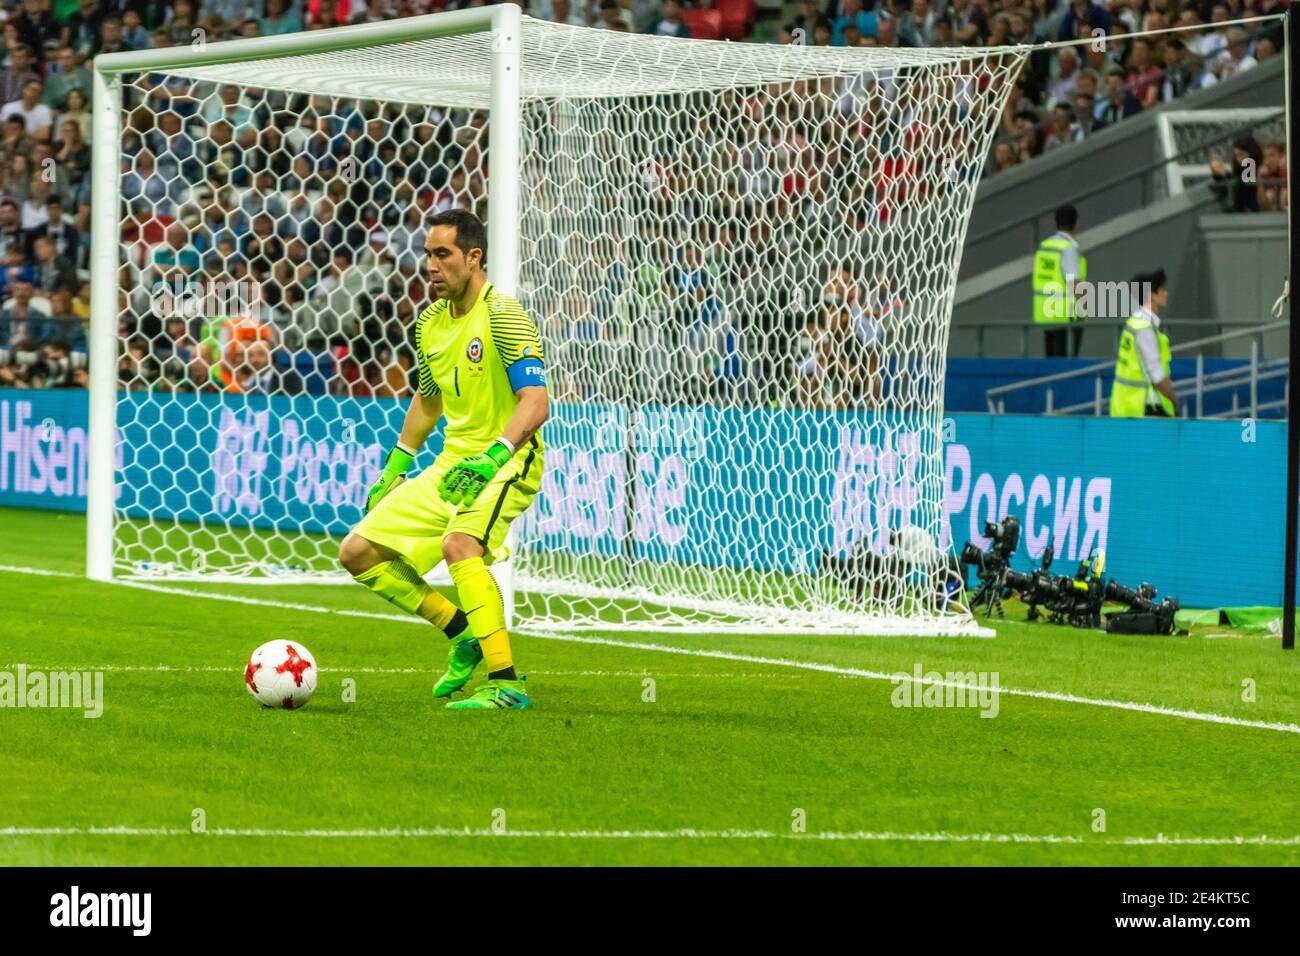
column 729, row 656
column 14, row 569
column 861, row 836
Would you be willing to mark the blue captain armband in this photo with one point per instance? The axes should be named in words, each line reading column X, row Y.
column 525, row 372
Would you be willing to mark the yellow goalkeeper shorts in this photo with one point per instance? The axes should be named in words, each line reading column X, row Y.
column 412, row 519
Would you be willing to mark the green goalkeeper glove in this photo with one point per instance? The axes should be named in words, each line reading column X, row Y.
column 396, row 465
column 465, row 479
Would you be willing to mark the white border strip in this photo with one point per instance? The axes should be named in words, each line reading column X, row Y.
column 859, row 836
column 717, row 655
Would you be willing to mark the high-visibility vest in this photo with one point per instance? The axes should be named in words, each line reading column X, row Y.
column 1053, row 289
column 1132, row 393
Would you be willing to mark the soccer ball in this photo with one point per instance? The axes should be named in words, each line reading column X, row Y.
column 281, row 674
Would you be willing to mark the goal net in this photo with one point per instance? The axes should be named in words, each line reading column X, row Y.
column 741, row 258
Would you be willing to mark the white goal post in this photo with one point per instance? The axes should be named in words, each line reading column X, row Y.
column 741, row 257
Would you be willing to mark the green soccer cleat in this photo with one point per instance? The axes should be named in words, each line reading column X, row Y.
column 496, row 695
column 464, row 657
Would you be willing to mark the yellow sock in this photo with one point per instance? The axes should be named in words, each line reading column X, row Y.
column 496, row 651
column 485, row 609
column 437, row 610
column 397, row 583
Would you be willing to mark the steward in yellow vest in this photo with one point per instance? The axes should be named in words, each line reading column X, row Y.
column 1143, row 386
column 1058, row 265
column 1053, row 285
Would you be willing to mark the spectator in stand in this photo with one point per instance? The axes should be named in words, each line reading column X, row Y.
column 37, row 117
column 145, row 182
column 137, row 370
column 1026, row 135
column 1063, row 128
column 110, row 38
column 279, row 20
column 1237, row 186
column 255, row 374
column 134, row 35
column 53, row 271
column 62, row 233
column 1236, row 58
column 1004, row 157
column 76, row 110
column 63, row 311
column 65, row 75
column 33, row 23
column 17, row 74
column 668, row 25
column 34, row 211
column 181, row 22
column 807, row 22
column 1063, row 87
column 16, row 268
column 1120, row 101
column 1082, row 18
column 1144, row 75
column 176, row 340
column 917, row 26
column 11, row 227
column 17, row 175
column 1178, row 76
column 1273, row 194
column 81, row 32
column 56, row 356
column 145, row 224
column 81, row 302
column 611, row 16
column 852, row 15
column 562, row 11
column 1085, row 117
column 72, row 156
column 24, row 316
column 176, row 259
column 970, row 22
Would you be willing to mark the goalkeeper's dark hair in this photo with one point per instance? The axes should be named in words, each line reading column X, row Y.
column 470, row 231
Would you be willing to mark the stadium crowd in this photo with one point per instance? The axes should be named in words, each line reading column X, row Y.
column 220, row 191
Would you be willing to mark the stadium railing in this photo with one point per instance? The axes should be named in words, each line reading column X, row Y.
column 1026, row 330
column 1191, row 391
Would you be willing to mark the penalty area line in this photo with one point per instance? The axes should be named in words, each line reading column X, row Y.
column 859, row 836
column 1053, row 696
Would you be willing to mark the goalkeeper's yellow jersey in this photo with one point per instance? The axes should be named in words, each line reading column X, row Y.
column 477, row 362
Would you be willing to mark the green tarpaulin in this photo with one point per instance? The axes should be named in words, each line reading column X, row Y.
column 1241, row 618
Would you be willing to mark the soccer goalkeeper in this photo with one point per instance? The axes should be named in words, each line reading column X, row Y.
column 481, row 363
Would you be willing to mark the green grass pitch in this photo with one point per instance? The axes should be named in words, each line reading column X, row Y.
column 719, row 768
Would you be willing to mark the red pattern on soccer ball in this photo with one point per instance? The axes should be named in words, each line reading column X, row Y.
column 249, row 671
column 294, row 664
